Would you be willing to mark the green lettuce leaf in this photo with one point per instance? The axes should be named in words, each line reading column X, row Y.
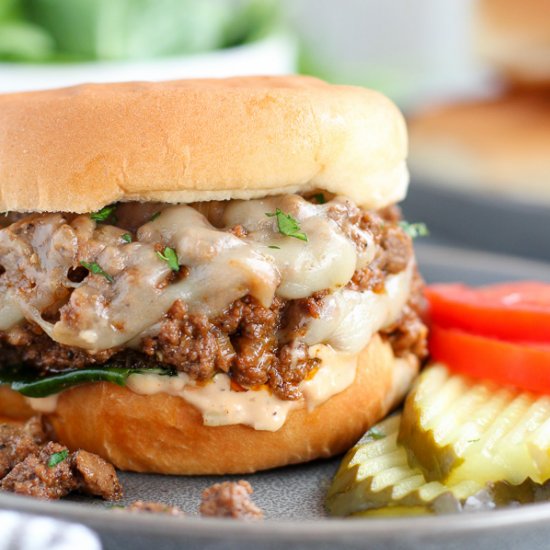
column 23, row 381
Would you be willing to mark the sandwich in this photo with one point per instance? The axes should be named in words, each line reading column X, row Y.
column 205, row 276
column 513, row 38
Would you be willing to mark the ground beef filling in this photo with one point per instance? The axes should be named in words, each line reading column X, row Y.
column 394, row 249
column 230, row 499
column 33, row 466
column 243, row 341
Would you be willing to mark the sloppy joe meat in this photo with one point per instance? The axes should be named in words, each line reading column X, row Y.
column 255, row 343
column 95, row 476
column 151, row 507
column 230, row 499
column 33, row 466
column 16, row 443
column 36, row 478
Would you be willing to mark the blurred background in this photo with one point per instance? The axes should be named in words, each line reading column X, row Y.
column 472, row 76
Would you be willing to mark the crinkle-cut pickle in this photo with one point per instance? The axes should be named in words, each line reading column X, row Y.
column 375, row 475
column 458, row 444
column 457, row 429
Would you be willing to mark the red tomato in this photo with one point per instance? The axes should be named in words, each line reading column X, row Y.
column 525, row 365
column 511, row 311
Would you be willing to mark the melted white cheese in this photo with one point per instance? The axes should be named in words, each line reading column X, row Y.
column 222, row 267
column 327, row 260
column 349, row 319
column 10, row 313
column 259, row 409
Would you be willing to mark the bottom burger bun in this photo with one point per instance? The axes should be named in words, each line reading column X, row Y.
column 13, row 405
column 165, row 434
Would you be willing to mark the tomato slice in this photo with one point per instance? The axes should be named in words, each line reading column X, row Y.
column 512, row 311
column 524, row 365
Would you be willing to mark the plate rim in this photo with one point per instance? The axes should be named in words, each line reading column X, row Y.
column 298, row 530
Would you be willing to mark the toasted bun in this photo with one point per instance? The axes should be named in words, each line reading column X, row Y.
column 165, row 434
column 13, row 405
column 499, row 146
column 78, row 149
column 515, row 37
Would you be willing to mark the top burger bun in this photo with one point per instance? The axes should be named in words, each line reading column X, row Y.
column 515, row 37
column 78, row 149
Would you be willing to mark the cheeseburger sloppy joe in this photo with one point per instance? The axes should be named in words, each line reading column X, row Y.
column 205, row 276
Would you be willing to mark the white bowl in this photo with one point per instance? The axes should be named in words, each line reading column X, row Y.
column 273, row 55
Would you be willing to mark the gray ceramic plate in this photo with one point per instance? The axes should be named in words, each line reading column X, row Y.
column 480, row 220
column 293, row 497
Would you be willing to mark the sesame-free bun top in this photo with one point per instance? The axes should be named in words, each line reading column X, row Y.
column 515, row 37
column 496, row 145
column 78, row 149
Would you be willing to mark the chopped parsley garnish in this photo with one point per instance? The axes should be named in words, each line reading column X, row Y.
column 415, row 229
column 375, row 433
column 170, row 257
column 320, row 198
column 287, row 225
column 103, row 214
column 274, row 246
column 56, row 458
column 95, row 268
column 155, row 216
column 127, row 238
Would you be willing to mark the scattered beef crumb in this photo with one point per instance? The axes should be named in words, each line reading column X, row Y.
column 96, row 476
column 34, row 428
column 154, row 508
column 29, row 465
column 16, row 443
column 229, row 500
column 36, row 478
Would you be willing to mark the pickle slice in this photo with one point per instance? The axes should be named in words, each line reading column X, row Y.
column 456, row 429
column 376, row 475
column 458, row 445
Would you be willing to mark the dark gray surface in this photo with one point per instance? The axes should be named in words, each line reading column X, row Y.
column 292, row 497
column 273, row 492
column 441, row 263
column 480, row 220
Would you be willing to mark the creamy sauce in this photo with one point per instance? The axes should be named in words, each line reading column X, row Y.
column 43, row 404
column 259, row 409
